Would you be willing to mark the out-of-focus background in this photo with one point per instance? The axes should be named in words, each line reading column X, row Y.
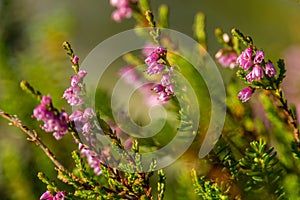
column 31, row 35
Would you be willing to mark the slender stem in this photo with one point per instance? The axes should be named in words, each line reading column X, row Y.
column 33, row 137
column 292, row 119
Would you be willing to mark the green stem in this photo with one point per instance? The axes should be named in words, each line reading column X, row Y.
column 292, row 119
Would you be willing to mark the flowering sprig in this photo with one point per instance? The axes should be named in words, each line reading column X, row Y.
column 259, row 73
column 54, row 121
column 124, row 9
column 157, row 64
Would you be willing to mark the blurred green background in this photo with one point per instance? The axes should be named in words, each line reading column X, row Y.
column 31, row 34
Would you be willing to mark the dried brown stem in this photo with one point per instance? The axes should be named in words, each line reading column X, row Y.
column 33, row 137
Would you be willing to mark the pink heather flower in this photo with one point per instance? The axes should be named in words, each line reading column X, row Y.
column 166, row 79
column 270, row 69
column 82, row 119
column 48, row 196
column 88, row 113
column 123, row 9
column 245, row 94
column 128, row 143
column 91, row 157
column 86, row 127
column 82, row 73
column 259, row 57
column 130, row 75
column 148, row 49
column 170, row 90
column 153, row 57
column 119, row 3
column 227, row 58
column 161, row 51
column 76, row 116
column 158, row 88
column 245, row 59
column 72, row 94
column 46, row 100
column 60, row 196
column 53, row 121
column 39, row 112
column 257, row 72
column 74, row 81
column 164, row 97
column 155, row 68
column 75, row 60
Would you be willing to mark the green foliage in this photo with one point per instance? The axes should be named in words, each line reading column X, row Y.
column 163, row 16
column 282, row 71
column 207, row 189
column 199, row 29
column 262, row 170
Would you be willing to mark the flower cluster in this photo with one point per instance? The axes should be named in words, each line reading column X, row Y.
column 227, row 57
column 165, row 89
column 253, row 61
column 82, row 119
column 48, row 196
column 72, row 94
column 92, row 158
column 54, row 121
column 124, row 9
column 132, row 77
column 245, row 94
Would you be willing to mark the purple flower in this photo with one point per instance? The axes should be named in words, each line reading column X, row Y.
column 88, row 113
column 153, row 57
column 165, row 93
column 148, row 49
column 270, row 69
column 245, row 94
column 72, row 94
column 82, row 119
column 257, row 72
column 46, row 100
column 39, row 112
column 60, row 195
column 158, row 88
column 170, row 90
column 76, row 116
column 92, row 158
column 155, row 68
column 227, row 58
column 75, row 60
column 74, row 81
column 86, row 127
column 53, row 121
column 82, row 73
column 130, row 75
column 245, row 59
column 123, row 9
column 163, row 96
column 259, row 57
column 161, row 51
column 166, row 79
column 119, row 3
column 48, row 196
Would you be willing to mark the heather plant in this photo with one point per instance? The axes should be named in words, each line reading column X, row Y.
column 123, row 141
